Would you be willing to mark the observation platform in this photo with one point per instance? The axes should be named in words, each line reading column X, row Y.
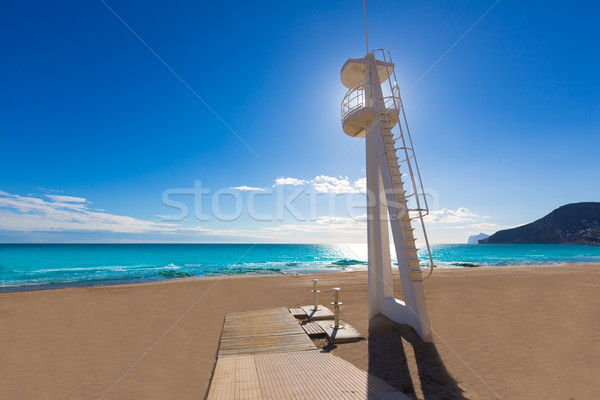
column 358, row 106
column 356, row 121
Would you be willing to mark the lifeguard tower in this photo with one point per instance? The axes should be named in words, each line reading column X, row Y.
column 371, row 108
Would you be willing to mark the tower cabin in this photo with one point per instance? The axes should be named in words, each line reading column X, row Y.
column 358, row 107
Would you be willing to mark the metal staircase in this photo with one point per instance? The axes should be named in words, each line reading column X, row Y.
column 398, row 209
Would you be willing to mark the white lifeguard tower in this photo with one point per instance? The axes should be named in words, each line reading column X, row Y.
column 371, row 108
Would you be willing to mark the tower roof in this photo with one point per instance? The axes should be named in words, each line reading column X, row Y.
column 355, row 69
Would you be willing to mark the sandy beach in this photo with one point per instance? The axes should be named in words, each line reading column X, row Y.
column 513, row 333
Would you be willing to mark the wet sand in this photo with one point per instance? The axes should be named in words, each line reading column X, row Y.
column 513, row 333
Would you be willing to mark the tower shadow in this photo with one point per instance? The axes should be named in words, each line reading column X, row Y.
column 391, row 349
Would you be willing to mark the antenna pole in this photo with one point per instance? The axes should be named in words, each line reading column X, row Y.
column 366, row 34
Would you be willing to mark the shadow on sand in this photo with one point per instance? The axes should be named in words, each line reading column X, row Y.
column 389, row 344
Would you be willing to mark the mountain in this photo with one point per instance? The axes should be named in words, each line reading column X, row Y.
column 577, row 223
column 476, row 238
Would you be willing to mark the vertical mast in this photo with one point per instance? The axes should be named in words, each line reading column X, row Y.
column 366, row 34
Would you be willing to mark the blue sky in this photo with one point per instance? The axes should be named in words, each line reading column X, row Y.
column 95, row 128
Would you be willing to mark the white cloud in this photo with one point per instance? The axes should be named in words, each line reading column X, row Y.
column 46, row 190
column 330, row 184
column 361, row 185
column 55, row 213
column 327, row 184
column 66, row 199
column 26, row 213
column 359, row 219
column 248, row 188
column 486, row 226
column 340, row 185
column 446, row 215
column 30, row 214
column 290, row 181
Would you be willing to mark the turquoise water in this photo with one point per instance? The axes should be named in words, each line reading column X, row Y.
column 32, row 266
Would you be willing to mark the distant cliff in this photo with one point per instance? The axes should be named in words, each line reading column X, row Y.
column 476, row 238
column 572, row 223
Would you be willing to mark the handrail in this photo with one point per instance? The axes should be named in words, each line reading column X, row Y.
column 397, row 102
column 354, row 99
column 393, row 101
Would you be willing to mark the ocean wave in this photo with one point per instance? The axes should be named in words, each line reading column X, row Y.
column 244, row 271
column 175, row 274
column 99, row 268
column 348, row 262
column 293, row 264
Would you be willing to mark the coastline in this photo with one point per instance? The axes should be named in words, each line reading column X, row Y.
column 524, row 330
column 28, row 267
column 363, row 268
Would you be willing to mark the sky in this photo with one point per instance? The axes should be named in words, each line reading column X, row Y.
column 187, row 121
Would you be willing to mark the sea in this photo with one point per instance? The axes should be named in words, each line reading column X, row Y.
column 47, row 266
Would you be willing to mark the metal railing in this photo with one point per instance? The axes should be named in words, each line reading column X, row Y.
column 392, row 103
column 354, row 99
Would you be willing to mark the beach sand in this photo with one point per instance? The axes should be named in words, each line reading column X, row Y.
column 513, row 333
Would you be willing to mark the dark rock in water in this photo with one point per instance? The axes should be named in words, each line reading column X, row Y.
column 174, row 274
column 577, row 223
column 465, row 264
column 476, row 238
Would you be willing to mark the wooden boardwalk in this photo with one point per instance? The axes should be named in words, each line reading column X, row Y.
column 267, row 331
column 267, row 355
column 313, row 329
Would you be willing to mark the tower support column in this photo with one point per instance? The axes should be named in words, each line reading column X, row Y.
column 380, row 268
